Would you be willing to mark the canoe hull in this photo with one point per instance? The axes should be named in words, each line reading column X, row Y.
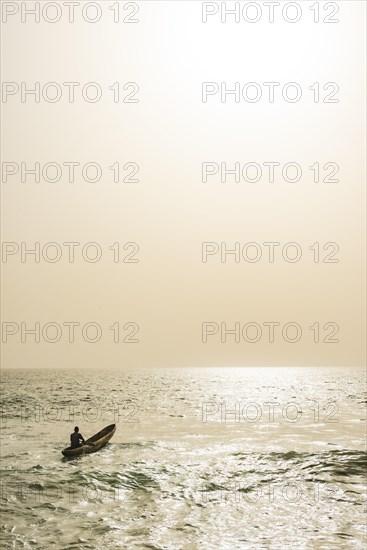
column 98, row 440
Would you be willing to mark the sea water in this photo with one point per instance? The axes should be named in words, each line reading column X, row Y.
column 270, row 458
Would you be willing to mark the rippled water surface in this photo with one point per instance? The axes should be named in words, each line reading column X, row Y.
column 202, row 458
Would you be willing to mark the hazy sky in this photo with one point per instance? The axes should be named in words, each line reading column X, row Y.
column 169, row 212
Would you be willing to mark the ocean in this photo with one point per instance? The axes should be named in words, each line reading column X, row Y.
column 265, row 458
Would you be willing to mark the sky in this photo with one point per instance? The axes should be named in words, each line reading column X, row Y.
column 153, row 281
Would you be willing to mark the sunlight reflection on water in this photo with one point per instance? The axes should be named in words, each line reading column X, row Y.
column 202, row 458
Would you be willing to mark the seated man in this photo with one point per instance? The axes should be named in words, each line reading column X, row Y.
column 75, row 438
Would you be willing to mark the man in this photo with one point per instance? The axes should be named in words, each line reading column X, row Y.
column 75, row 438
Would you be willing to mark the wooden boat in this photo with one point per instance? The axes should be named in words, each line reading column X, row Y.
column 92, row 444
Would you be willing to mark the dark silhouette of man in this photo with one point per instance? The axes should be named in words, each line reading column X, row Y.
column 75, row 438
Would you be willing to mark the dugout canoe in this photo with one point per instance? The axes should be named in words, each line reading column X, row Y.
column 92, row 444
